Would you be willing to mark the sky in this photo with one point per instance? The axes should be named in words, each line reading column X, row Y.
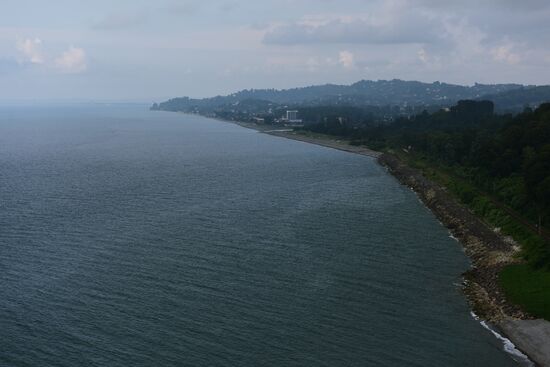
column 152, row 50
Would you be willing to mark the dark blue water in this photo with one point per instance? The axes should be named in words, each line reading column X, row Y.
column 133, row 238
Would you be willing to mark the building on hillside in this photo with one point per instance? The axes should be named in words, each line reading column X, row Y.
column 292, row 115
column 292, row 118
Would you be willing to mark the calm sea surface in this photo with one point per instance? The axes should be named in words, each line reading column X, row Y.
column 137, row 238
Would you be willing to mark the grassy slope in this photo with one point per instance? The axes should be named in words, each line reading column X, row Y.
column 528, row 288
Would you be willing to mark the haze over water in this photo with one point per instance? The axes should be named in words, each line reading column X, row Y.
column 133, row 238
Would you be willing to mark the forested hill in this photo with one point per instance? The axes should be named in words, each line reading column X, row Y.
column 376, row 93
column 516, row 99
column 372, row 93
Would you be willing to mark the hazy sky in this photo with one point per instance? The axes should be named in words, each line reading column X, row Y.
column 149, row 50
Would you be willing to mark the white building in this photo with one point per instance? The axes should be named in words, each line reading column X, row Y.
column 291, row 116
column 292, row 119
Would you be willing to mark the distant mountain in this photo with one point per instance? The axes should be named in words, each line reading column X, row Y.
column 517, row 99
column 363, row 93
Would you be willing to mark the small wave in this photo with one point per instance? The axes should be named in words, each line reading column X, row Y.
column 453, row 237
column 508, row 346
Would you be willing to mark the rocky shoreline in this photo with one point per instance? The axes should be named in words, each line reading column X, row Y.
column 488, row 251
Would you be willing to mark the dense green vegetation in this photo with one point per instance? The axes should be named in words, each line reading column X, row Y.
column 516, row 99
column 528, row 288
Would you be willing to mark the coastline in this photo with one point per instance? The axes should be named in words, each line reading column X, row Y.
column 316, row 139
column 488, row 251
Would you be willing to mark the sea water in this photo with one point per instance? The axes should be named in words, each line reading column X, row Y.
column 138, row 238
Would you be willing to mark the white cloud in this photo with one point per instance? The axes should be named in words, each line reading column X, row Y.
column 346, row 59
column 31, row 49
column 468, row 41
column 422, row 55
column 504, row 54
column 72, row 61
column 387, row 25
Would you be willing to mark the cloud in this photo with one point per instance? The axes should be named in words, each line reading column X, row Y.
column 31, row 49
column 346, row 59
column 465, row 40
column 422, row 55
column 504, row 54
column 72, row 61
column 393, row 28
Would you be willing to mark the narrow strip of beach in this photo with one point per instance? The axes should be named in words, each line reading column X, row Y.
column 317, row 139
